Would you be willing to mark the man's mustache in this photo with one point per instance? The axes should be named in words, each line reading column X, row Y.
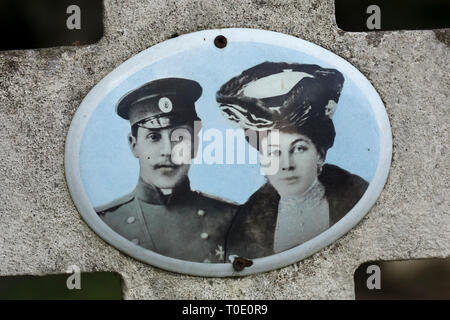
column 165, row 165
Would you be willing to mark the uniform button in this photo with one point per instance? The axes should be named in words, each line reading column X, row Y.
column 207, row 261
column 204, row 235
column 201, row 212
column 131, row 219
column 135, row 241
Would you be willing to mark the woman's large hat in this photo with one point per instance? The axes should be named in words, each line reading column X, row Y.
column 276, row 95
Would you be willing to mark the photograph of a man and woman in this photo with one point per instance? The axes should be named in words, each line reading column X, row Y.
column 284, row 113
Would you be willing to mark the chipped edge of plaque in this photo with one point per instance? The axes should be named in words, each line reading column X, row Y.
column 203, row 39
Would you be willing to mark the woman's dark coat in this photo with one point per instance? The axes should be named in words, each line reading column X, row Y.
column 251, row 234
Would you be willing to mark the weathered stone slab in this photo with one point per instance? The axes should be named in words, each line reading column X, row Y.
column 40, row 90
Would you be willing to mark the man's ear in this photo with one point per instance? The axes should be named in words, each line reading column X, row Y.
column 132, row 143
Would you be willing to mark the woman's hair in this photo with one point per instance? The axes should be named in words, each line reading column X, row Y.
column 320, row 131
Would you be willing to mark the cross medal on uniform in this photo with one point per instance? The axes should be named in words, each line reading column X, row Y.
column 220, row 252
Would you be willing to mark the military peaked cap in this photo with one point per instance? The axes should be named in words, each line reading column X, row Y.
column 161, row 103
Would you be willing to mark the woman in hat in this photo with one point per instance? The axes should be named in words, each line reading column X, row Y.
column 286, row 110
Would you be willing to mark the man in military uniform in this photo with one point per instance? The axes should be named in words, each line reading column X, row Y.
column 162, row 213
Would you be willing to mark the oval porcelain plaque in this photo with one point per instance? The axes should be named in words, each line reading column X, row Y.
column 230, row 155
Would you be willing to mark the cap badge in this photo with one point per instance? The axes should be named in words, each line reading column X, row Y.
column 165, row 105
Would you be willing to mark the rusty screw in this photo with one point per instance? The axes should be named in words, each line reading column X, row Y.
column 240, row 263
column 220, row 42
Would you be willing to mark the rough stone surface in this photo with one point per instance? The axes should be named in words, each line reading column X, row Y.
column 41, row 231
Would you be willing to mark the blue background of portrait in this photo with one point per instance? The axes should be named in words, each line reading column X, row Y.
column 109, row 170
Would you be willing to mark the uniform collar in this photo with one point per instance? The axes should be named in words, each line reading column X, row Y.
column 151, row 194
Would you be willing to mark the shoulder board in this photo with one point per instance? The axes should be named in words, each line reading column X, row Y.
column 115, row 203
column 217, row 198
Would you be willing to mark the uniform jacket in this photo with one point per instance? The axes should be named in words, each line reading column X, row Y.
column 186, row 225
column 252, row 232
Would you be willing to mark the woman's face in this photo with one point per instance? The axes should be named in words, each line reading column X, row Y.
column 297, row 159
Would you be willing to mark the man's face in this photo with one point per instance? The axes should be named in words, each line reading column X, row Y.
column 164, row 154
column 298, row 159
